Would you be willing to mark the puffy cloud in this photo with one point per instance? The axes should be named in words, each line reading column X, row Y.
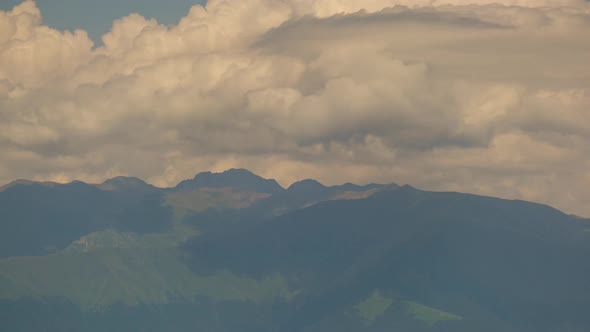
column 31, row 54
column 490, row 97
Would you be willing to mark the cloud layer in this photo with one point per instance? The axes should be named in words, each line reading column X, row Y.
column 490, row 98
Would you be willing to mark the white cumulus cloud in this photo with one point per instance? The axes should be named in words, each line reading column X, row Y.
column 490, row 97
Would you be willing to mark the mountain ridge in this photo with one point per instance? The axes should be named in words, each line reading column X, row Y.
column 238, row 179
column 226, row 179
column 229, row 179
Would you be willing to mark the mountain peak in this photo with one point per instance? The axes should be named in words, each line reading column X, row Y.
column 16, row 183
column 355, row 187
column 22, row 182
column 238, row 171
column 238, row 179
column 125, row 183
column 306, row 185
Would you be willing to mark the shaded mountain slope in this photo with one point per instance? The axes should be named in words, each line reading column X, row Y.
column 37, row 219
column 306, row 193
column 237, row 179
column 523, row 264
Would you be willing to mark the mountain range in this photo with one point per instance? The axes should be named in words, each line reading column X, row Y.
column 233, row 251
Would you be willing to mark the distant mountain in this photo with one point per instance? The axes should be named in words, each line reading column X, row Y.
column 237, row 179
column 308, row 192
column 39, row 218
column 22, row 182
column 501, row 265
column 355, row 187
column 123, row 183
column 306, row 186
column 232, row 252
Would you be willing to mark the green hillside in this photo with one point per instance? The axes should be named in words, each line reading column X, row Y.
column 110, row 267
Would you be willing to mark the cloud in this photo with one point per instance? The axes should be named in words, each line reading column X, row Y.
column 490, row 97
column 31, row 53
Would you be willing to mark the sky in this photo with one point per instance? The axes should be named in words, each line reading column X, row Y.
column 489, row 97
column 96, row 17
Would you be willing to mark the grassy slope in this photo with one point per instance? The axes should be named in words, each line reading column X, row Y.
column 373, row 307
column 186, row 202
column 429, row 315
column 109, row 267
column 377, row 305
